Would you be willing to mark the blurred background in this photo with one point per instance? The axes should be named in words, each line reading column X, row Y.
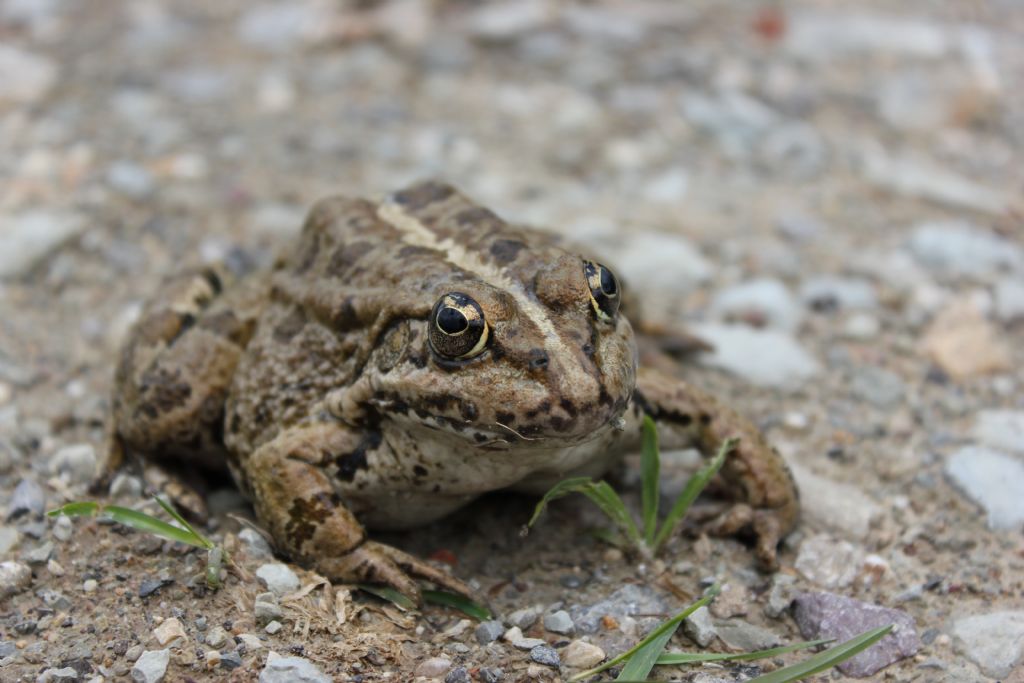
column 829, row 192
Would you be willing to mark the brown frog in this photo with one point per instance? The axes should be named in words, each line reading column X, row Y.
column 406, row 357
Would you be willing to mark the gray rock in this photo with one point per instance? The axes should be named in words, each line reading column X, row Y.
column 546, row 655
column 831, row 292
column 781, row 596
column 767, row 358
column 65, row 674
column 957, row 248
column 827, row 35
column 125, row 486
column 913, row 178
column 1000, row 429
column 501, row 21
column 458, row 675
column 273, row 627
column 256, row 546
column 76, row 462
column 216, row 637
column 794, row 147
column 279, row 578
column 524, row 618
column 130, row 179
column 491, row 674
column 826, row 615
column 28, row 499
column 880, row 387
column 992, row 480
column 699, row 628
column 151, row 666
column 488, row 632
column 994, row 641
column 739, row 635
column 737, row 121
column 829, row 562
column 40, row 554
column 837, row 505
column 9, row 538
column 559, row 622
column 433, row 667
column 7, row 648
column 14, row 578
column 628, row 601
column 231, row 660
column 279, row 26
column 30, row 236
column 26, row 76
column 763, row 302
column 291, row 670
column 62, row 529
column 266, row 609
column 1010, row 299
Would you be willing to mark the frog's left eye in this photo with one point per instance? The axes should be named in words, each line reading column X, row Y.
column 604, row 290
column 457, row 328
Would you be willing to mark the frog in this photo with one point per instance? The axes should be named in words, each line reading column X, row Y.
column 403, row 357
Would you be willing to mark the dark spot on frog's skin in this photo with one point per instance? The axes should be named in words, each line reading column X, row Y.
column 559, row 424
column 589, row 350
column 306, row 514
column 419, row 470
column 346, row 256
column 479, row 438
column 164, row 389
column 227, row 325
column 185, row 323
column 411, row 251
column 507, row 419
column 569, row 407
column 505, row 251
column 346, row 318
column 307, row 257
column 538, row 359
column 436, row 489
column 705, row 419
column 424, row 194
column 468, row 410
column 234, row 424
column 477, row 216
column 350, row 463
column 290, row 326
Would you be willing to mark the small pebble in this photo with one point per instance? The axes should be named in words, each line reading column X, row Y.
column 55, row 568
column 458, row 675
column 216, row 637
column 524, row 618
column 699, row 628
column 28, row 499
column 433, row 667
column 256, row 546
column 266, row 608
column 273, row 627
column 76, row 463
column 169, row 632
column 546, row 655
column 90, row 585
column 133, row 653
column 231, row 660
column 580, row 654
column 212, row 659
column 278, row 578
column 14, row 578
column 151, row 666
column 491, row 674
column 488, row 631
column 559, row 622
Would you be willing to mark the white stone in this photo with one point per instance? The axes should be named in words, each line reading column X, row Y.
column 846, row 293
column 1010, row 299
column 994, row 641
column 433, row 667
column 829, row 562
column 151, row 666
column 291, row 670
column 25, row 77
column 1000, row 429
column 667, row 188
column 14, row 578
column 580, row 654
column 992, row 480
column 824, row 36
column 764, row 300
column 278, row 26
column 959, row 248
column 76, row 462
column 507, row 19
column 170, row 632
column 839, row 506
column 31, row 235
column 767, row 358
column 278, row 577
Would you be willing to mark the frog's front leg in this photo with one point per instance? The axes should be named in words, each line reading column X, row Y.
column 754, row 474
column 290, row 482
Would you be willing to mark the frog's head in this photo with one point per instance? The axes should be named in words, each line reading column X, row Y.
column 536, row 353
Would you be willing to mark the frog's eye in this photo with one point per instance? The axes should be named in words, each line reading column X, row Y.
column 457, row 328
column 604, row 290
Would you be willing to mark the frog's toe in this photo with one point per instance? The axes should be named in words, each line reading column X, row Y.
column 765, row 524
column 417, row 567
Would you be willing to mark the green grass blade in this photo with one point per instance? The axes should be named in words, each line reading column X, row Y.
column 669, row 626
column 143, row 522
column 78, row 509
column 169, row 509
column 825, row 660
column 690, row 492
column 459, row 602
column 599, row 493
column 650, row 471
column 390, row 595
column 675, row 658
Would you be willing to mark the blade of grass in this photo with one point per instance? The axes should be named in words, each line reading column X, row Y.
column 669, row 626
column 459, row 602
column 134, row 519
column 599, row 493
column 825, row 660
column 650, row 466
column 693, row 488
column 169, row 509
column 673, row 658
column 390, row 595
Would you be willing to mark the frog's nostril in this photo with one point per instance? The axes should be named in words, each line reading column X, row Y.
column 538, row 359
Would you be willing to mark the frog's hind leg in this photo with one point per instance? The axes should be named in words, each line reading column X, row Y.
column 290, row 481
column 754, row 475
column 173, row 374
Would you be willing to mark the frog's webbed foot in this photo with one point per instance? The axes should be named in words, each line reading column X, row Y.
column 296, row 501
column 766, row 524
column 375, row 562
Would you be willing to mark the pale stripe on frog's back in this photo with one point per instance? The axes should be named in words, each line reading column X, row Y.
column 434, row 216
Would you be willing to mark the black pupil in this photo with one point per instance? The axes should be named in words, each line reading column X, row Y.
column 608, row 284
column 451, row 320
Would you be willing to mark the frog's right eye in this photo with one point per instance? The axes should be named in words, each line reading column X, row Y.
column 457, row 328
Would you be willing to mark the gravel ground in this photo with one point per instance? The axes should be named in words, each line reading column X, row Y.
column 829, row 192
